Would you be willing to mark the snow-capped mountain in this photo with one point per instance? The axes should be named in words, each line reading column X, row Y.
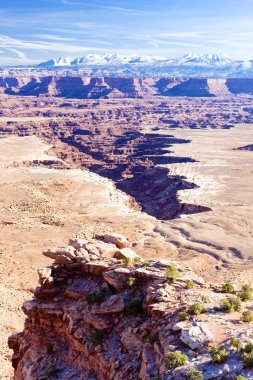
column 190, row 65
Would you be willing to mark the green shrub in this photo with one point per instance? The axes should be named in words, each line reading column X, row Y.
column 172, row 273
column 236, row 343
column 133, row 308
column 228, row 288
column 247, row 287
column 50, row 349
column 183, row 316
column 248, row 348
column 247, row 316
column 150, row 338
column 176, row 359
column 189, row 284
column 97, row 337
column 231, row 304
column 245, row 295
column 239, row 378
column 131, row 282
column 219, row 354
column 196, row 309
column 93, row 298
column 193, row 374
column 247, row 359
column 205, row 299
column 127, row 261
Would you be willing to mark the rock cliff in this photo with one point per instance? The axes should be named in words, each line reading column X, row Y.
column 101, row 312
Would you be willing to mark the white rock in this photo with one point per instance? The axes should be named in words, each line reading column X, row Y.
column 119, row 240
column 196, row 336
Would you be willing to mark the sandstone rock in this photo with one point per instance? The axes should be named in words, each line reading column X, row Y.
column 196, row 336
column 117, row 277
column 80, row 288
column 101, row 248
column 44, row 274
column 95, row 267
column 130, row 340
column 119, row 240
column 54, row 253
column 126, row 253
column 95, row 321
column 180, row 325
column 77, row 242
column 115, row 304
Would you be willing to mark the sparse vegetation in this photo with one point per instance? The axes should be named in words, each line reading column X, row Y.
column 133, row 308
column 127, row 261
column 97, row 337
column 228, row 288
column 231, row 304
column 189, row 284
column 52, row 371
column 50, row 349
column 176, row 359
column 246, row 294
column 239, row 378
column 219, row 354
column 150, row 338
column 196, row 309
column 248, row 348
column 236, row 344
column 183, row 316
column 93, row 298
column 247, row 316
column 247, row 359
column 172, row 273
column 193, row 374
column 131, row 282
column 205, row 299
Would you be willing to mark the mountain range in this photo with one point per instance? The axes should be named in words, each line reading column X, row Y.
column 118, row 65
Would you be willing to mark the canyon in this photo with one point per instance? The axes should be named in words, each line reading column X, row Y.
column 173, row 174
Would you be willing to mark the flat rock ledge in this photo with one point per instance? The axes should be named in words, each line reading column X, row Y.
column 101, row 312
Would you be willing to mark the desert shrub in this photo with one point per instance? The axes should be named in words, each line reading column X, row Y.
column 245, row 295
column 183, row 316
column 236, row 343
column 172, row 273
column 93, row 298
column 176, row 359
column 248, row 348
column 205, row 299
column 52, row 371
column 231, row 304
column 189, row 284
column 228, row 288
column 247, row 287
column 127, row 261
column 151, row 338
column 131, row 282
column 97, row 337
column 133, row 308
column 50, row 349
column 196, row 309
column 193, row 374
column 239, row 378
column 247, row 316
column 247, row 359
column 219, row 354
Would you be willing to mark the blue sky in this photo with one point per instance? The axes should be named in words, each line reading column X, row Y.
column 36, row 30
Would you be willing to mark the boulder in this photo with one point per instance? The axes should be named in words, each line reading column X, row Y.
column 44, row 274
column 54, row 253
column 119, row 240
column 77, row 242
column 126, row 253
column 115, row 304
column 95, row 267
column 117, row 277
column 196, row 336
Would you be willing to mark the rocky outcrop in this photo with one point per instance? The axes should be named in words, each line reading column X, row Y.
column 101, row 318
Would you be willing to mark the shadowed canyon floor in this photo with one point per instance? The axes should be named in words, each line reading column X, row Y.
column 45, row 197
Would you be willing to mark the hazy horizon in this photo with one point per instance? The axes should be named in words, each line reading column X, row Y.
column 35, row 32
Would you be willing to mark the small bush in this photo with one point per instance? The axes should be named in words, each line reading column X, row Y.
column 247, row 287
column 150, row 338
column 231, row 304
column 239, row 378
column 97, row 337
column 176, row 359
column 93, row 298
column 193, row 374
column 50, row 349
column 189, row 284
column 247, row 316
column 247, row 359
column 219, row 354
column 183, row 316
column 245, row 295
column 248, row 348
column 196, row 309
column 205, row 299
column 127, row 261
column 172, row 273
column 52, row 371
column 131, row 282
column 236, row 343
column 133, row 308
column 228, row 288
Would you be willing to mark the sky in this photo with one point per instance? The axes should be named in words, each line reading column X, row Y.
column 32, row 31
